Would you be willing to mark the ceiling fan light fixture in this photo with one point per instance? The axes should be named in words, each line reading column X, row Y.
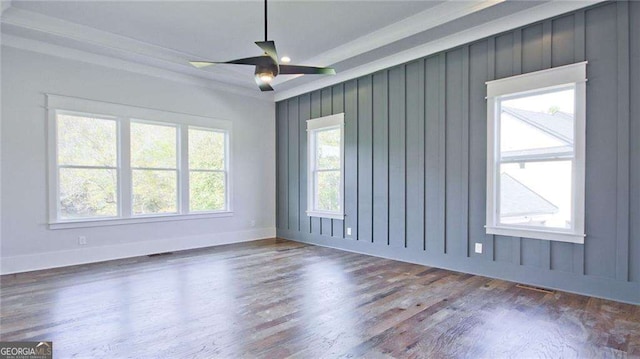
column 285, row 59
column 266, row 78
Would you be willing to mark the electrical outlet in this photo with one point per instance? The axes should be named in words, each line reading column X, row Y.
column 348, row 231
column 478, row 247
column 82, row 240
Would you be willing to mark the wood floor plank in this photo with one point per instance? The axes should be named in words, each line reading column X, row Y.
column 276, row 298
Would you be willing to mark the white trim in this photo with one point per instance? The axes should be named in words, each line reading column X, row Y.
column 537, row 234
column 571, row 75
column 55, row 259
column 556, row 76
column 326, row 121
column 538, row 13
column 313, row 126
column 96, row 222
column 320, row 214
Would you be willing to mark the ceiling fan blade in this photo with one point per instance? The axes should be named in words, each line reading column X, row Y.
column 201, row 64
column 269, row 47
column 257, row 60
column 305, row 70
column 263, row 85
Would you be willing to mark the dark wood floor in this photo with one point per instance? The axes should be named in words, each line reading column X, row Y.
column 276, row 298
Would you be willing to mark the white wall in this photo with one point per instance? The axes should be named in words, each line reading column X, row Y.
column 26, row 241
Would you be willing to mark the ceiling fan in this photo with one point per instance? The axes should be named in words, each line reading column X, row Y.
column 267, row 65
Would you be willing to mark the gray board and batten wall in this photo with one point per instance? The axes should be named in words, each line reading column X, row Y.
column 415, row 157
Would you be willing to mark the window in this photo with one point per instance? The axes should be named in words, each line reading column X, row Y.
column 326, row 166
column 109, row 167
column 536, row 155
column 154, row 168
column 207, row 170
column 87, row 166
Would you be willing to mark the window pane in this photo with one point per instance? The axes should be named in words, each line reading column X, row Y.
column 85, row 141
column 206, row 191
column 537, row 126
column 536, row 194
column 206, row 150
column 328, row 194
column 154, row 191
column 88, row 193
column 153, row 146
column 328, row 149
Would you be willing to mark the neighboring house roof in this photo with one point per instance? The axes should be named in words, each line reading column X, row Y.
column 520, row 200
column 558, row 124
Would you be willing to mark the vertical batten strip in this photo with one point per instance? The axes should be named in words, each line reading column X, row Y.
column 350, row 157
column 380, row 177
column 465, row 148
column 425, row 144
column 302, row 166
column 442, row 104
column 337, row 106
column 404, row 152
column 388, row 99
column 622, row 203
column 396, row 158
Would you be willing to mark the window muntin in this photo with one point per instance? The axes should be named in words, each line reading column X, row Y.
column 207, row 170
column 536, row 139
column 326, row 167
column 154, row 172
column 87, row 166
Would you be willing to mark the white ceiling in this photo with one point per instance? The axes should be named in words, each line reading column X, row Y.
column 166, row 34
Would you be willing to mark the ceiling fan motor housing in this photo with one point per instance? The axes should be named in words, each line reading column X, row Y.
column 268, row 70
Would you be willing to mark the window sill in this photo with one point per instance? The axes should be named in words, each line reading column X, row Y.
column 537, row 234
column 135, row 220
column 329, row 215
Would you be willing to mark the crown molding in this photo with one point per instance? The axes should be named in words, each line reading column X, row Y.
column 430, row 18
column 30, row 25
column 126, row 65
column 35, row 32
column 21, row 23
column 519, row 19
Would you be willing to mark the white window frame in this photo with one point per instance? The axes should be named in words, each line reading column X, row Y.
column 313, row 126
column 535, row 82
column 124, row 115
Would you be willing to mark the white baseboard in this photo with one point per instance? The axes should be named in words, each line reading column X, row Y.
column 47, row 260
